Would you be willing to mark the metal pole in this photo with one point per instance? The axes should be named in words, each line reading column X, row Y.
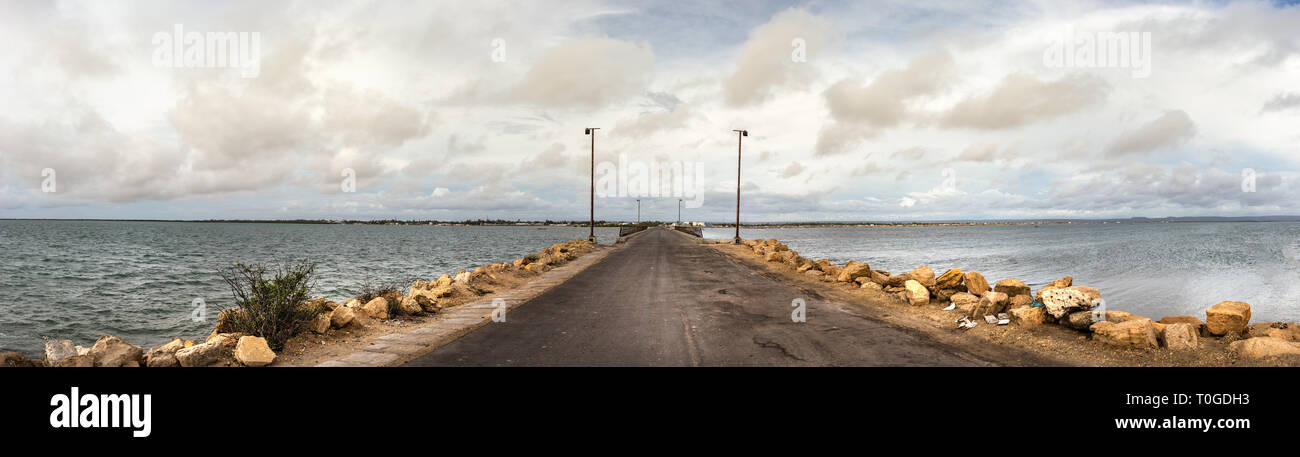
column 679, row 211
column 591, row 234
column 638, row 211
column 739, row 140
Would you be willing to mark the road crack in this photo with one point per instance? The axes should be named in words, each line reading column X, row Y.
column 769, row 344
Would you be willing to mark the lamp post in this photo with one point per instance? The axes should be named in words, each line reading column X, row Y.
column 591, row 235
column 679, row 211
column 740, row 134
column 638, row 211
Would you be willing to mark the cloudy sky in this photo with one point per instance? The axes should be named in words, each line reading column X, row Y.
column 863, row 110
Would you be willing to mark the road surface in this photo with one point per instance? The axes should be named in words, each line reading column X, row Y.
column 665, row 300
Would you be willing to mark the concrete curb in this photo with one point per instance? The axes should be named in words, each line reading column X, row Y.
column 397, row 348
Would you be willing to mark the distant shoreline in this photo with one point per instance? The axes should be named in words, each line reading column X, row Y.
column 757, row 225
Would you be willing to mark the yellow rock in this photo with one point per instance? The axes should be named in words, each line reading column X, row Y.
column 949, row 279
column 252, row 351
column 1227, row 316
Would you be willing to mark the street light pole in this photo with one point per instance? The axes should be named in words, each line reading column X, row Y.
column 679, row 211
column 591, row 235
column 740, row 134
column 638, row 211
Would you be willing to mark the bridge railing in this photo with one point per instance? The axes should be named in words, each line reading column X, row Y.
column 694, row 231
column 625, row 231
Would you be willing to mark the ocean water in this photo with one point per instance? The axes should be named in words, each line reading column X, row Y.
column 138, row 280
column 1154, row 269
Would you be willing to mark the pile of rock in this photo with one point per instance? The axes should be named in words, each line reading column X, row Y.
column 224, row 347
column 228, row 349
column 1059, row 302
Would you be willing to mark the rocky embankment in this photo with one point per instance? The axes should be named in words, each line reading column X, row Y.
column 973, row 302
column 226, row 346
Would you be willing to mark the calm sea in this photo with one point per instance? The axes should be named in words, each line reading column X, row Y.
column 78, row 279
column 1155, row 269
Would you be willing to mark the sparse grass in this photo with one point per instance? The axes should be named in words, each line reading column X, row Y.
column 371, row 288
column 271, row 308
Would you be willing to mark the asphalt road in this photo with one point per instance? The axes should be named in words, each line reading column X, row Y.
column 663, row 300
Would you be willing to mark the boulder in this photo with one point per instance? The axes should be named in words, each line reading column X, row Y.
column 202, row 355
column 917, row 294
column 442, row 291
column 991, row 303
column 111, row 351
column 1019, row 301
column 409, row 307
column 965, row 302
column 976, row 284
column 320, row 323
column 17, row 359
column 1180, row 336
column 792, row 259
column 252, row 351
column 445, row 279
column 942, row 295
column 376, row 308
column 463, row 276
column 1028, row 316
column 814, row 273
column 342, row 316
column 1082, row 320
column 62, row 353
column 1264, row 348
column 803, row 268
column 880, row 277
column 773, row 256
column 165, row 355
column 897, row 280
column 427, row 301
column 1011, row 287
column 1060, row 302
column 923, row 275
column 1078, row 320
column 872, row 286
column 227, row 339
column 1227, row 317
column 1134, row 334
column 1057, row 284
column 949, row 279
column 353, row 303
column 1195, row 322
column 854, row 270
column 361, row 320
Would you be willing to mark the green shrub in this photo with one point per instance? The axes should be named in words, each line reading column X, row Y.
column 273, row 308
